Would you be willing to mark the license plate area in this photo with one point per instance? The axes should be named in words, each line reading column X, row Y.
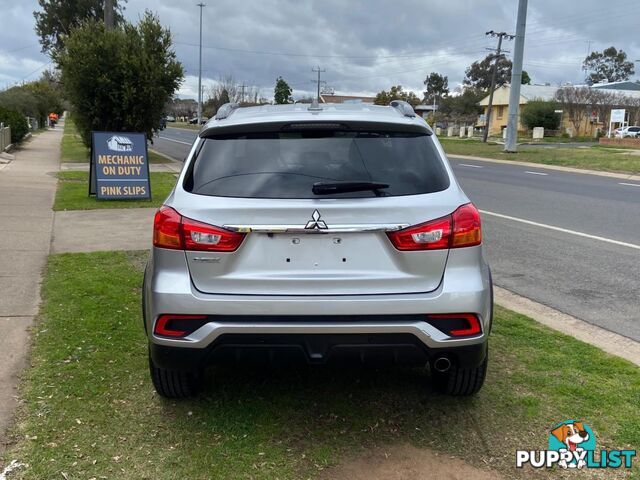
column 315, row 250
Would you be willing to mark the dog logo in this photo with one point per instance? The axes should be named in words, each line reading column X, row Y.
column 572, row 437
column 572, row 444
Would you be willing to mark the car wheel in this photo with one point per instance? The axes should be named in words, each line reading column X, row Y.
column 462, row 381
column 174, row 383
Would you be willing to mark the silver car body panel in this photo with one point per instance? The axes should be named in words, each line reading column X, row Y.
column 349, row 268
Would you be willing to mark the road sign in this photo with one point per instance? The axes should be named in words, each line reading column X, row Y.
column 617, row 115
column 119, row 166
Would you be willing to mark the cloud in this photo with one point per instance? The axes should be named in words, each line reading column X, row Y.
column 364, row 45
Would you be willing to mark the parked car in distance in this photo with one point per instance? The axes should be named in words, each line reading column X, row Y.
column 170, row 118
column 627, row 132
column 194, row 121
column 163, row 123
column 331, row 234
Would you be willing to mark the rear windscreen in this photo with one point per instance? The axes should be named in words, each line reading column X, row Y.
column 287, row 164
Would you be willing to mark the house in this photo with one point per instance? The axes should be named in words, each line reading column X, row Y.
column 625, row 86
column 118, row 143
column 424, row 111
column 332, row 98
column 500, row 111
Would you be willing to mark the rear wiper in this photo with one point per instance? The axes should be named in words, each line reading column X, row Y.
column 326, row 188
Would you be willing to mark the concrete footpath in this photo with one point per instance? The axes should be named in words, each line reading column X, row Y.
column 27, row 190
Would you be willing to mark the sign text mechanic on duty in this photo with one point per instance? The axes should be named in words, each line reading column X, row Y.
column 120, row 165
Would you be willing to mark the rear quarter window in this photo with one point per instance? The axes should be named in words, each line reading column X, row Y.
column 287, row 164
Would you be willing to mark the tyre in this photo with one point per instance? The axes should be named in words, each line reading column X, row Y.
column 461, row 381
column 174, row 383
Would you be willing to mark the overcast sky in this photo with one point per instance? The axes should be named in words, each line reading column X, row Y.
column 364, row 45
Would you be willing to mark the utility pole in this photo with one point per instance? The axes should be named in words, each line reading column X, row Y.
column 516, row 79
column 109, row 8
column 319, row 71
column 494, row 72
column 201, row 5
column 242, row 87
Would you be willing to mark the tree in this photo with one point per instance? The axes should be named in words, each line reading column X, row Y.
column 575, row 102
column 181, row 107
column 463, row 108
column 59, row 17
column 282, row 92
column 611, row 65
column 34, row 99
column 478, row 75
column 16, row 121
column 396, row 93
column 227, row 90
column 130, row 90
column 437, row 86
column 540, row 113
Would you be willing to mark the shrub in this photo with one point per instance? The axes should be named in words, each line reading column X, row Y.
column 538, row 113
column 119, row 80
column 17, row 122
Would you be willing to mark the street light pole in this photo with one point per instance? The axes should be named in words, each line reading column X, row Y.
column 516, row 79
column 201, row 5
column 109, row 14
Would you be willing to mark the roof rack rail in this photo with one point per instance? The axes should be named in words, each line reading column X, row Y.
column 403, row 107
column 226, row 110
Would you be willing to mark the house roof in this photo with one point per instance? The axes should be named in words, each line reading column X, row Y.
column 527, row 92
column 545, row 92
column 623, row 85
column 121, row 140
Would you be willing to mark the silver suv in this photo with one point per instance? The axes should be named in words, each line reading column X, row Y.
column 330, row 232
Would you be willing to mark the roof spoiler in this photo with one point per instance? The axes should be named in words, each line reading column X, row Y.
column 403, row 107
column 226, row 110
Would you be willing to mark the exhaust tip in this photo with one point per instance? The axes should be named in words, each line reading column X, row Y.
column 441, row 364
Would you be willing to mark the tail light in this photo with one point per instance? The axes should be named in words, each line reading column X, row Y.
column 456, row 324
column 172, row 230
column 460, row 229
column 178, row 325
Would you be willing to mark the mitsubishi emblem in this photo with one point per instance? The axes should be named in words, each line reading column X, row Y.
column 315, row 223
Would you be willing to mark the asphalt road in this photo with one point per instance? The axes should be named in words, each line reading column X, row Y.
column 569, row 241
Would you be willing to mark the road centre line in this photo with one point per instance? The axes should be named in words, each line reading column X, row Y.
column 469, row 165
column 629, row 184
column 535, row 173
column 176, row 141
column 563, row 230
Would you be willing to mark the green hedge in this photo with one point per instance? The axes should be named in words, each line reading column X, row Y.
column 17, row 122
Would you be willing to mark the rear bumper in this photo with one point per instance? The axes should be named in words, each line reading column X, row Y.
column 297, row 323
column 380, row 348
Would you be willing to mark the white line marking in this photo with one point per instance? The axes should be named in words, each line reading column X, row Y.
column 535, row 173
column 563, row 230
column 177, row 141
column 469, row 165
column 629, row 184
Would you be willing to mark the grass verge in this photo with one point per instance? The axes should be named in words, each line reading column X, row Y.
column 73, row 188
column 89, row 409
column 72, row 150
column 592, row 158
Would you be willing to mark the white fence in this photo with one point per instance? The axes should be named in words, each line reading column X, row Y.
column 5, row 137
